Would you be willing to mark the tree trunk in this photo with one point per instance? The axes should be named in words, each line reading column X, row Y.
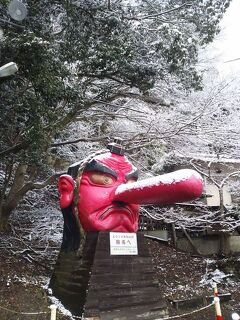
column 11, row 200
column 6, row 209
column 4, row 216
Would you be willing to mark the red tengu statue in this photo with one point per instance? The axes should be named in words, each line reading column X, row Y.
column 106, row 194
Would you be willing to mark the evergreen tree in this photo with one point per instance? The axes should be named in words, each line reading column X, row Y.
column 71, row 54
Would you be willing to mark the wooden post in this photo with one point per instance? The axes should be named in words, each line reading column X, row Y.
column 218, row 308
column 174, row 235
column 190, row 241
column 53, row 312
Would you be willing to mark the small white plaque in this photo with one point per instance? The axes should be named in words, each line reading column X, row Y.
column 122, row 243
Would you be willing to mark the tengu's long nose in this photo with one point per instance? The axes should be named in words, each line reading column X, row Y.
column 178, row 186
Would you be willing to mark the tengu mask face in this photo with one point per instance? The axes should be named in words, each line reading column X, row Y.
column 97, row 209
column 106, row 199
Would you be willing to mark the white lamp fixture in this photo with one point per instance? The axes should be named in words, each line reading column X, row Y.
column 17, row 10
column 235, row 316
column 8, row 69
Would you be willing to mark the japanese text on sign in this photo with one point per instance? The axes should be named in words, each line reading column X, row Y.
column 123, row 243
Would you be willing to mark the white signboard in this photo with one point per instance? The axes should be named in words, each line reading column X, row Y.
column 123, row 243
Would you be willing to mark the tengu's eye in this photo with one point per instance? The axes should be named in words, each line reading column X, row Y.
column 102, row 178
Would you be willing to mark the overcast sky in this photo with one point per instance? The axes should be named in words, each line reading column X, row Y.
column 227, row 44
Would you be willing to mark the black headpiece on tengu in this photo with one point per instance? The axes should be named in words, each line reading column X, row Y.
column 116, row 146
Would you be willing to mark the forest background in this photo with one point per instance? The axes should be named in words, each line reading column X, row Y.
column 92, row 70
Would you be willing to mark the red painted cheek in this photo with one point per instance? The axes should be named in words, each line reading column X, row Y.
column 93, row 200
column 98, row 212
column 94, row 197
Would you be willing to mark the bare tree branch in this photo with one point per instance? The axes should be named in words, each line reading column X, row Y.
column 160, row 13
column 93, row 139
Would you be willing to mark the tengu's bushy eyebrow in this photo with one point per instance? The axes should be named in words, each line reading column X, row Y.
column 96, row 166
column 132, row 175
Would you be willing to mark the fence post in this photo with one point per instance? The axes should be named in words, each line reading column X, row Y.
column 218, row 308
column 53, row 312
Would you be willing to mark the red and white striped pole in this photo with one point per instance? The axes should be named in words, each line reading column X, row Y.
column 218, row 308
column 215, row 290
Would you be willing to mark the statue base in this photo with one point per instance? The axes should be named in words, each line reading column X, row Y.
column 70, row 278
column 98, row 285
column 123, row 286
